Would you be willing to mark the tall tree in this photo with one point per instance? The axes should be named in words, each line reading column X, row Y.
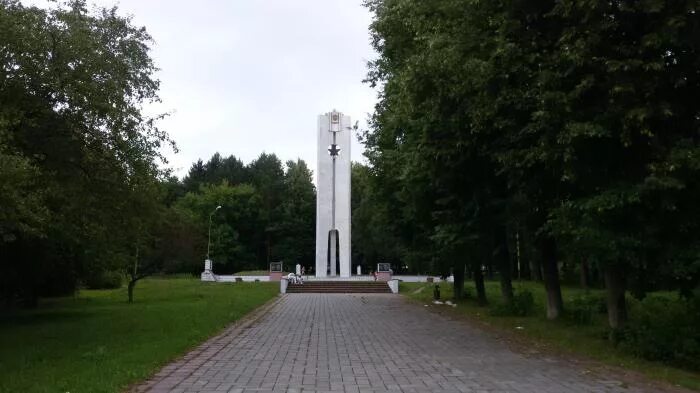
column 72, row 86
column 298, row 216
column 236, row 230
column 373, row 236
column 267, row 176
column 574, row 116
column 196, row 176
column 623, row 123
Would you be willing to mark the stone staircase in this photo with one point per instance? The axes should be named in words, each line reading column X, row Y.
column 340, row 287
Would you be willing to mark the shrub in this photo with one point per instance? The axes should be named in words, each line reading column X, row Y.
column 523, row 304
column 583, row 308
column 104, row 280
column 665, row 329
column 467, row 293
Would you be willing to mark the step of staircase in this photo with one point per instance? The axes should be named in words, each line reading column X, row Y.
column 340, row 287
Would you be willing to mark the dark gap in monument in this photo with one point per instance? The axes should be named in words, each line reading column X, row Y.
column 333, row 233
column 328, row 251
column 337, row 252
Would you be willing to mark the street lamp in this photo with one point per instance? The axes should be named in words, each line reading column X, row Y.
column 209, row 241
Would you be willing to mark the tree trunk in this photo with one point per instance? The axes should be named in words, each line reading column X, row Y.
column 479, row 284
column 134, row 275
column 596, row 279
column 130, row 290
column 555, row 304
column 525, row 273
column 536, row 269
column 503, row 263
column 615, row 288
column 458, row 284
column 639, row 286
column 489, row 268
column 584, row 274
column 521, row 260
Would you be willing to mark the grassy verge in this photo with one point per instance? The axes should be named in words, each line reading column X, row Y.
column 540, row 334
column 96, row 342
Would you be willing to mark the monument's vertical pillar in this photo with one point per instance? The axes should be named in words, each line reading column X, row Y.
column 333, row 195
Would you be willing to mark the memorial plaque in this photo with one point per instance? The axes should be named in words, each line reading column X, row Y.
column 276, row 267
column 383, row 267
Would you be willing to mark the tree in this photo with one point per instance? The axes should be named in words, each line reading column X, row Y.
column 214, row 171
column 624, row 122
column 568, row 121
column 373, row 236
column 144, row 214
column 24, row 208
column 422, row 125
column 267, row 176
column 269, row 218
column 297, row 228
column 236, row 229
column 196, row 176
column 72, row 85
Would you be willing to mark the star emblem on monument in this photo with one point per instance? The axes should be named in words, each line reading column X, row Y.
column 334, row 150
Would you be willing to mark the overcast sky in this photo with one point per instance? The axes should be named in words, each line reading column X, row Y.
column 246, row 76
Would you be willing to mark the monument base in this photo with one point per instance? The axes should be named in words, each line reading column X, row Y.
column 383, row 276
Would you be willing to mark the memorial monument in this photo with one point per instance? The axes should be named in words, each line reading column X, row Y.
column 333, row 196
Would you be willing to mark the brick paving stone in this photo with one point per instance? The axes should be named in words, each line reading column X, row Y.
column 366, row 343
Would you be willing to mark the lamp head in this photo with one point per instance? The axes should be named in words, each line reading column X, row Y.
column 218, row 207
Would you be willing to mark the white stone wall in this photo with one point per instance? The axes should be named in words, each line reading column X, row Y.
column 283, row 285
column 393, row 285
column 232, row 278
column 324, row 194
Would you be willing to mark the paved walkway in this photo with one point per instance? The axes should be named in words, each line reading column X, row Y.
column 365, row 343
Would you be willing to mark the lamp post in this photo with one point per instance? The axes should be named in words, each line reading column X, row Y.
column 209, row 240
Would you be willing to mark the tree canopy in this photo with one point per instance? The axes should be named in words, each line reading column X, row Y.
column 75, row 147
column 85, row 199
column 566, row 123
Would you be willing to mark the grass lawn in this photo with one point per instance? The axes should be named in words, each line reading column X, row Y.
column 97, row 342
column 540, row 334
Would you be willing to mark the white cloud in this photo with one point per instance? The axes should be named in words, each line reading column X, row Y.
column 243, row 77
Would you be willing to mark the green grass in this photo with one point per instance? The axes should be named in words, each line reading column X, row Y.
column 97, row 342
column 563, row 336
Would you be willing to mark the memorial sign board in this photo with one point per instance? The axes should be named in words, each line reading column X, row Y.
column 276, row 267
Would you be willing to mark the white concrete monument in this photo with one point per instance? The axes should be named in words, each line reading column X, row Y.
column 333, row 196
column 208, row 273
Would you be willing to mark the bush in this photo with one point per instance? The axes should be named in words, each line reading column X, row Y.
column 665, row 329
column 104, row 280
column 523, row 304
column 583, row 308
column 466, row 293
